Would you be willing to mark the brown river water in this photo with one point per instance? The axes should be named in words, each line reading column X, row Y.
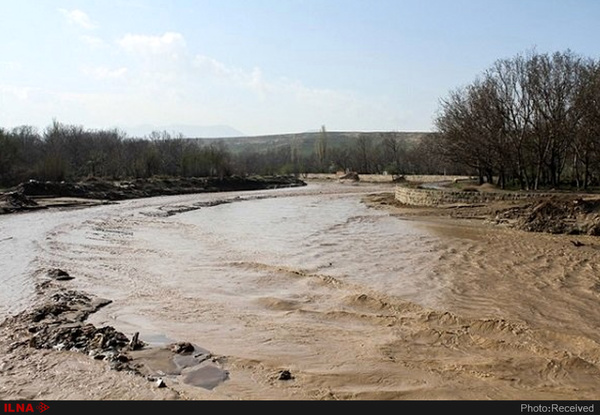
column 354, row 302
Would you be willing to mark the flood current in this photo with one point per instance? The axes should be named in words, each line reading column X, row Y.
column 353, row 301
column 213, row 240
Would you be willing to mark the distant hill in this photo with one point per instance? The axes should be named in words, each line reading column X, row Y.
column 189, row 131
column 306, row 141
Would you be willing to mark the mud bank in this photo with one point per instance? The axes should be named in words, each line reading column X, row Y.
column 58, row 324
column 569, row 214
column 35, row 195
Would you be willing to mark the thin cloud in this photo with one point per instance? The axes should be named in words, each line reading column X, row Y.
column 104, row 73
column 79, row 18
column 233, row 75
column 254, row 80
column 19, row 92
column 160, row 79
column 170, row 43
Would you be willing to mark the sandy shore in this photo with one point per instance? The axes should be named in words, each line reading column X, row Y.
column 518, row 320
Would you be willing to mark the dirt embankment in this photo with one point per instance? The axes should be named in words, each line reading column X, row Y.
column 33, row 195
column 570, row 214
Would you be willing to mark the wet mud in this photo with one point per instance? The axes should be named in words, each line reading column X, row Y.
column 310, row 294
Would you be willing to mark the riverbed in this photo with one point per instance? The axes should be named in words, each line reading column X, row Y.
column 350, row 301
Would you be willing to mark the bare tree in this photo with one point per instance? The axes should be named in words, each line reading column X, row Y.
column 528, row 119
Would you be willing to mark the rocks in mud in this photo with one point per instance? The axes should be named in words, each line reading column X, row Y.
column 192, row 364
column 59, row 274
column 64, row 306
column 100, row 343
column 16, row 201
column 136, row 343
column 59, row 324
column 182, row 347
column 285, row 375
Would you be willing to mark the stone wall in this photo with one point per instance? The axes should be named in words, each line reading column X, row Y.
column 434, row 179
column 432, row 197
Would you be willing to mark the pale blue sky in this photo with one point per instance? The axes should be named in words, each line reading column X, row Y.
column 265, row 66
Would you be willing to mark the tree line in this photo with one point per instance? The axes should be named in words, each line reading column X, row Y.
column 72, row 152
column 530, row 121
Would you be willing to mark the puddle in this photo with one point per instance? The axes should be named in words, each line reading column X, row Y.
column 196, row 368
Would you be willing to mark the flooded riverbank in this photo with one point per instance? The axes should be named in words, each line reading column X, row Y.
column 351, row 302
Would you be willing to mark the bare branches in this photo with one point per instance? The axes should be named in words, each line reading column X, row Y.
column 529, row 120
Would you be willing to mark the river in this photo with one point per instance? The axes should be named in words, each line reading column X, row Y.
column 354, row 302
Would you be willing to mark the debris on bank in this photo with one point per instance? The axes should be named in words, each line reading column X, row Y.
column 349, row 177
column 59, row 274
column 558, row 215
column 16, row 201
column 59, row 323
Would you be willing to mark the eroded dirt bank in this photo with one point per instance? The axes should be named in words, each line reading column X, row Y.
column 34, row 195
column 443, row 309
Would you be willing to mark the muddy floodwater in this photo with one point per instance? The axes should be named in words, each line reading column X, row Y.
column 349, row 301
